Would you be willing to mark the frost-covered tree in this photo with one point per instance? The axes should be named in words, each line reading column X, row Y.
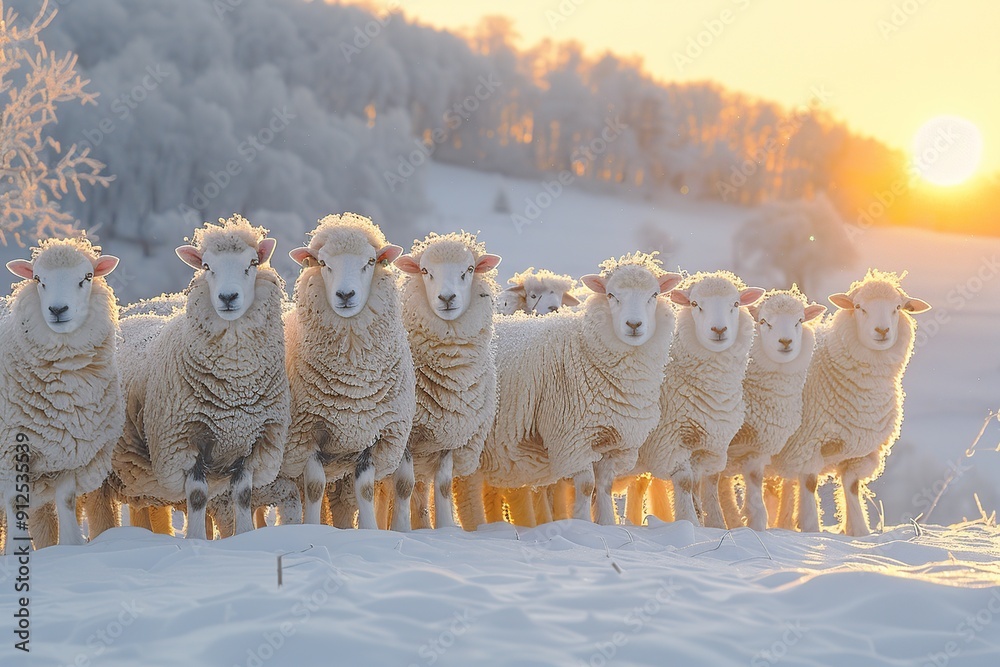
column 33, row 81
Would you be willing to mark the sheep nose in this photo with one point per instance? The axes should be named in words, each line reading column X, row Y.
column 882, row 332
column 633, row 325
column 228, row 299
column 553, row 309
column 719, row 331
column 787, row 342
column 58, row 311
column 447, row 299
column 345, row 297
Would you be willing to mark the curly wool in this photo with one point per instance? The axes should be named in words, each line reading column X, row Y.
column 454, row 361
column 62, row 390
column 352, row 379
column 853, row 396
column 571, row 393
column 533, row 280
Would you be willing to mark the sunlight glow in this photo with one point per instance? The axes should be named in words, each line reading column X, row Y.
column 947, row 150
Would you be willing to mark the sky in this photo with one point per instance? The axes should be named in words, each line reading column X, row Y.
column 888, row 66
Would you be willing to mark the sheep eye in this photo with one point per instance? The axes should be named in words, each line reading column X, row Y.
column 371, row 262
column 86, row 278
column 424, row 272
column 36, row 279
column 254, row 262
column 205, row 267
column 801, row 320
column 322, row 262
column 694, row 304
column 533, row 296
column 736, row 304
column 470, row 269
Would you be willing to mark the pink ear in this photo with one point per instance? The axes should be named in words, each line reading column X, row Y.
column 407, row 264
column 516, row 289
column 842, row 301
column 570, row 300
column 302, row 256
column 189, row 255
column 487, row 263
column 105, row 264
column 813, row 311
column 595, row 282
column 668, row 281
column 680, row 297
column 265, row 249
column 916, row 306
column 751, row 295
column 21, row 268
column 388, row 253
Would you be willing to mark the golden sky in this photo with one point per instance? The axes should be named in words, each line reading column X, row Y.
column 889, row 65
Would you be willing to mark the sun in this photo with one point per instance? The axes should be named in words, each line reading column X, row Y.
column 947, row 150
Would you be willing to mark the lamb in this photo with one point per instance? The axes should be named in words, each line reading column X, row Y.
column 853, row 398
column 772, row 392
column 537, row 291
column 62, row 407
column 350, row 369
column 701, row 402
column 579, row 390
column 207, row 397
column 448, row 295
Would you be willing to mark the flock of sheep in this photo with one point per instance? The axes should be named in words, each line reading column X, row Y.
column 697, row 396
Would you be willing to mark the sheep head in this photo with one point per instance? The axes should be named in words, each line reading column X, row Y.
column 781, row 317
column 448, row 266
column 348, row 249
column 542, row 291
column 229, row 255
column 631, row 286
column 64, row 271
column 714, row 301
column 877, row 303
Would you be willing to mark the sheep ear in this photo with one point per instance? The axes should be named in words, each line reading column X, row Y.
column 754, row 312
column 680, row 297
column 265, row 249
column 487, row 263
column 104, row 265
column 189, row 255
column 595, row 282
column 916, row 306
column 303, row 256
column 570, row 300
column 21, row 268
column 516, row 289
column 668, row 281
column 407, row 264
column 388, row 253
column 813, row 311
column 842, row 301
column 751, row 295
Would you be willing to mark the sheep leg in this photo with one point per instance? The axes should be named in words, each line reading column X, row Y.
column 196, row 490
column 288, row 509
column 584, row 483
column 684, row 484
column 364, row 490
column 659, row 493
column 492, row 503
column 402, row 483
column 65, row 500
column 260, row 517
column 710, row 504
column 138, row 517
column 604, row 504
column 562, row 500
column 772, row 499
column 382, row 504
column 443, row 513
column 241, row 490
column 541, row 499
column 314, row 486
column 340, row 497
column 161, row 519
column 103, row 513
column 521, row 507
column 789, row 493
column 727, row 498
column 754, row 508
column 469, row 496
column 855, row 517
column 43, row 524
column 420, row 513
column 635, row 498
column 808, row 504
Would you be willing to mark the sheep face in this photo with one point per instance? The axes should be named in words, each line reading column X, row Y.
column 714, row 304
column 231, row 274
column 779, row 325
column 447, row 284
column 877, row 308
column 347, row 276
column 64, row 287
column 632, row 293
column 541, row 298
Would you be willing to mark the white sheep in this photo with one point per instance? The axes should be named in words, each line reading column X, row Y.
column 701, row 401
column 772, row 392
column 853, row 398
column 207, row 398
column 537, row 291
column 350, row 368
column 448, row 295
column 61, row 408
column 579, row 390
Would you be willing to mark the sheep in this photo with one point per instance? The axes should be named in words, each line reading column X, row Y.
column 207, row 397
column 579, row 390
column 350, row 368
column 62, row 407
column 701, row 401
column 449, row 289
column 282, row 493
column 537, row 291
column 853, row 398
column 772, row 392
